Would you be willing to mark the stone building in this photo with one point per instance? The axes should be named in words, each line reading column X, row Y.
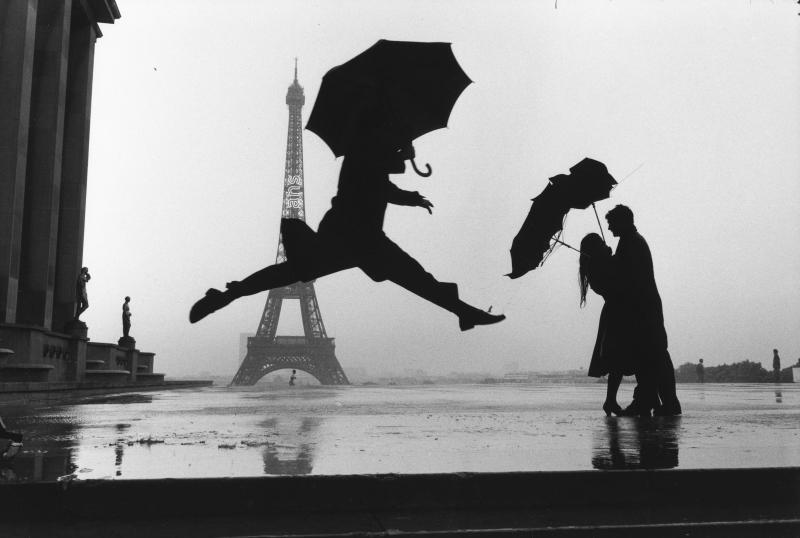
column 46, row 64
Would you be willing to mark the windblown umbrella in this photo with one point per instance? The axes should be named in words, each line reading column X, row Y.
column 403, row 86
column 587, row 183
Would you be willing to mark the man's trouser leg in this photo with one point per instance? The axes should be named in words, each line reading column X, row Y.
column 646, row 391
column 665, row 381
column 287, row 273
column 387, row 261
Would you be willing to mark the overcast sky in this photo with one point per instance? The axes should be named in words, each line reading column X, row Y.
column 700, row 99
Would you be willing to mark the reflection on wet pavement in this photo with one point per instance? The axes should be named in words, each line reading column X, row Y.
column 637, row 444
column 219, row 431
column 301, row 462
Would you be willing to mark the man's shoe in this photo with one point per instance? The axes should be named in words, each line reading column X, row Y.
column 474, row 316
column 635, row 410
column 213, row 301
column 667, row 410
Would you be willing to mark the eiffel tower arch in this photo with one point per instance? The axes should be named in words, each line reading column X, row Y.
column 314, row 352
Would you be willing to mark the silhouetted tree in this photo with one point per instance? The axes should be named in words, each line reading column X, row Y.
column 738, row 372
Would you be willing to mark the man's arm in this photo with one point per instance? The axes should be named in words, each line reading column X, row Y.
column 397, row 196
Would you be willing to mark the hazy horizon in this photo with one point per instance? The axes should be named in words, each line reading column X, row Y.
column 694, row 107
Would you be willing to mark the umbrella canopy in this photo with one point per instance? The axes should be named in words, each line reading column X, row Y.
column 587, row 182
column 407, row 88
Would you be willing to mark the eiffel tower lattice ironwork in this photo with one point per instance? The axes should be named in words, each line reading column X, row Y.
column 314, row 352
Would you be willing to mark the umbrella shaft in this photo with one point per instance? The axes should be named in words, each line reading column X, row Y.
column 598, row 223
column 568, row 246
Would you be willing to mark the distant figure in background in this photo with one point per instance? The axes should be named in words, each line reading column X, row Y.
column 292, row 378
column 776, row 365
column 82, row 299
column 645, row 337
column 701, row 372
column 595, row 271
column 126, row 318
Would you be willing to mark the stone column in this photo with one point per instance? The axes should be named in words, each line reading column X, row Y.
column 77, row 359
column 17, row 34
column 45, row 143
column 74, row 165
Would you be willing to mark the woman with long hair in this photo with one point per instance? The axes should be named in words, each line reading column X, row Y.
column 595, row 271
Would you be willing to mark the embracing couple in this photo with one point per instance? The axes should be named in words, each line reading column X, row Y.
column 631, row 339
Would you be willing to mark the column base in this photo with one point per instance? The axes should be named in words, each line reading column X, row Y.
column 76, row 328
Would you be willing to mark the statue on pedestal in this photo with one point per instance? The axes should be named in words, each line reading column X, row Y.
column 75, row 327
column 126, row 340
column 81, row 299
column 126, row 317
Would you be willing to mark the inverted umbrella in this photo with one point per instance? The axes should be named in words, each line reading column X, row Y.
column 588, row 182
column 405, row 87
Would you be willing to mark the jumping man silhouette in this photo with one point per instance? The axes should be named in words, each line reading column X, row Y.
column 351, row 235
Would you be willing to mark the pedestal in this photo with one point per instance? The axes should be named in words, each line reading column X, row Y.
column 76, row 328
column 127, row 341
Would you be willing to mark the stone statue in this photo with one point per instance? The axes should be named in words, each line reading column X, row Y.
column 126, row 318
column 82, row 300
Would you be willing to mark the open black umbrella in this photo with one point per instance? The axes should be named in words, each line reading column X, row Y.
column 587, row 183
column 402, row 86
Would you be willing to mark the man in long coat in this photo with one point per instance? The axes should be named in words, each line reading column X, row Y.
column 642, row 319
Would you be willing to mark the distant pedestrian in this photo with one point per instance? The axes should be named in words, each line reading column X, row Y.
column 776, row 365
column 292, row 378
column 701, row 372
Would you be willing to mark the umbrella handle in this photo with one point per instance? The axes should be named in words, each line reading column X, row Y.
column 420, row 173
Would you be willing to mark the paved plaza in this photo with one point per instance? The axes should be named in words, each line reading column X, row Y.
column 224, row 432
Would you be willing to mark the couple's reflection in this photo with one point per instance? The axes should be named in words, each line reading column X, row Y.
column 637, row 444
column 294, row 453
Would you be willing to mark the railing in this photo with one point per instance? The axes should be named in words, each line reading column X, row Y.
column 291, row 341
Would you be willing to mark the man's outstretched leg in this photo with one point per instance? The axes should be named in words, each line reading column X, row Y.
column 394, row 264
column 274, row 276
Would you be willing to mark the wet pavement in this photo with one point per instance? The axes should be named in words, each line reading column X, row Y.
column 221, row 432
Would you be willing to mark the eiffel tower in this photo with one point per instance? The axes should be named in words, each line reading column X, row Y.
column 314, row 352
